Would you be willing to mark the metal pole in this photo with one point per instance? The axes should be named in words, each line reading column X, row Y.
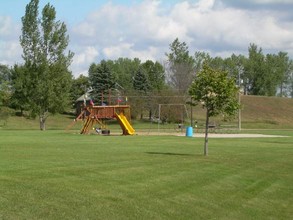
column 239, row 102
column 239, row 113
column 159, row 118
column 191, row 113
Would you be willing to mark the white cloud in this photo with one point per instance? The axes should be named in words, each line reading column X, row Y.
column 82, row 59
column 141, row 30
column 10, row 49
column 270, row 1
column 117, row 51
column 6, row 26
column 10, row 52
column 145, row 30
column 219, row 28
column 205, row 5
column 126, row 50
column 88, row 55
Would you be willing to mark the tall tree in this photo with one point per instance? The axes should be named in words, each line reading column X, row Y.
column 124, row 70
column 216, row 92
column 274, row 74
column 141, row 82
column 180, row 66
column 79, row 87
column 285, row 68
column 142, row 88
column 234, row 65
column 5, row 85
column 200, row 58
column 102, row 80
column 290, row 83
column 5, row 73
column 155, row 73
column 44, row 42
column 20, row 88
column 255, row 71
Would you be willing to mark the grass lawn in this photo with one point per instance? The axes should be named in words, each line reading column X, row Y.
column 58, row 175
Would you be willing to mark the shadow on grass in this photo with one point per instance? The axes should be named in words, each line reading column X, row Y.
column 169, row 154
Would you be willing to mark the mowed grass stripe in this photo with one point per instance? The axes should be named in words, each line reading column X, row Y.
column 54, row 175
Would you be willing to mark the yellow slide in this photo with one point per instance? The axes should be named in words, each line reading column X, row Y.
column 124, row 124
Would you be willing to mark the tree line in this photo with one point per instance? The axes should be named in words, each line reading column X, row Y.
column 43, row 84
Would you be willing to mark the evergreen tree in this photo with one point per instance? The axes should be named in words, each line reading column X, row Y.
column 156, row 75
column 124, row 70
column 102, row 80
column 79, row 87
column 141, row 82
column 142, row 88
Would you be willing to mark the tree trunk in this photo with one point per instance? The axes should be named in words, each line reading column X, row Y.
column 150, row 114
column 281, row 90
column 42, row 123
column 206, row 151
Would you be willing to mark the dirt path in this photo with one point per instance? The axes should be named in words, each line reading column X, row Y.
column 237, row 135
column 212, row 135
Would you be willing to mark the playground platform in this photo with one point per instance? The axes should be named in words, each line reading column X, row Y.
column 92, row 115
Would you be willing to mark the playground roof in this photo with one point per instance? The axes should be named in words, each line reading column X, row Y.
column 86, row 96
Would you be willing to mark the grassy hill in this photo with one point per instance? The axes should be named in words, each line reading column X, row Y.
column 268, row 111
column 257, row 112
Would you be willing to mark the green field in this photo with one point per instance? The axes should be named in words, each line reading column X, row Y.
column 58, row 175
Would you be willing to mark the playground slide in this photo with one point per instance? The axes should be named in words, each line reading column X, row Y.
column 125, row 125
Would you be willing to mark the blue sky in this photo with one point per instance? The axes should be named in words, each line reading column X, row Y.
column 71, row 11
column 109, row 29
column 67, row 10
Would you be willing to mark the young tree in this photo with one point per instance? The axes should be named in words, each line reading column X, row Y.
column 216, row 92
column 44, row 42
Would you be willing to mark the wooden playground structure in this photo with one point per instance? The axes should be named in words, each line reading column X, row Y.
column 92, row 115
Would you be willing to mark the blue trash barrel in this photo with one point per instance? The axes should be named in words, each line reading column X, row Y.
column 189, row 131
